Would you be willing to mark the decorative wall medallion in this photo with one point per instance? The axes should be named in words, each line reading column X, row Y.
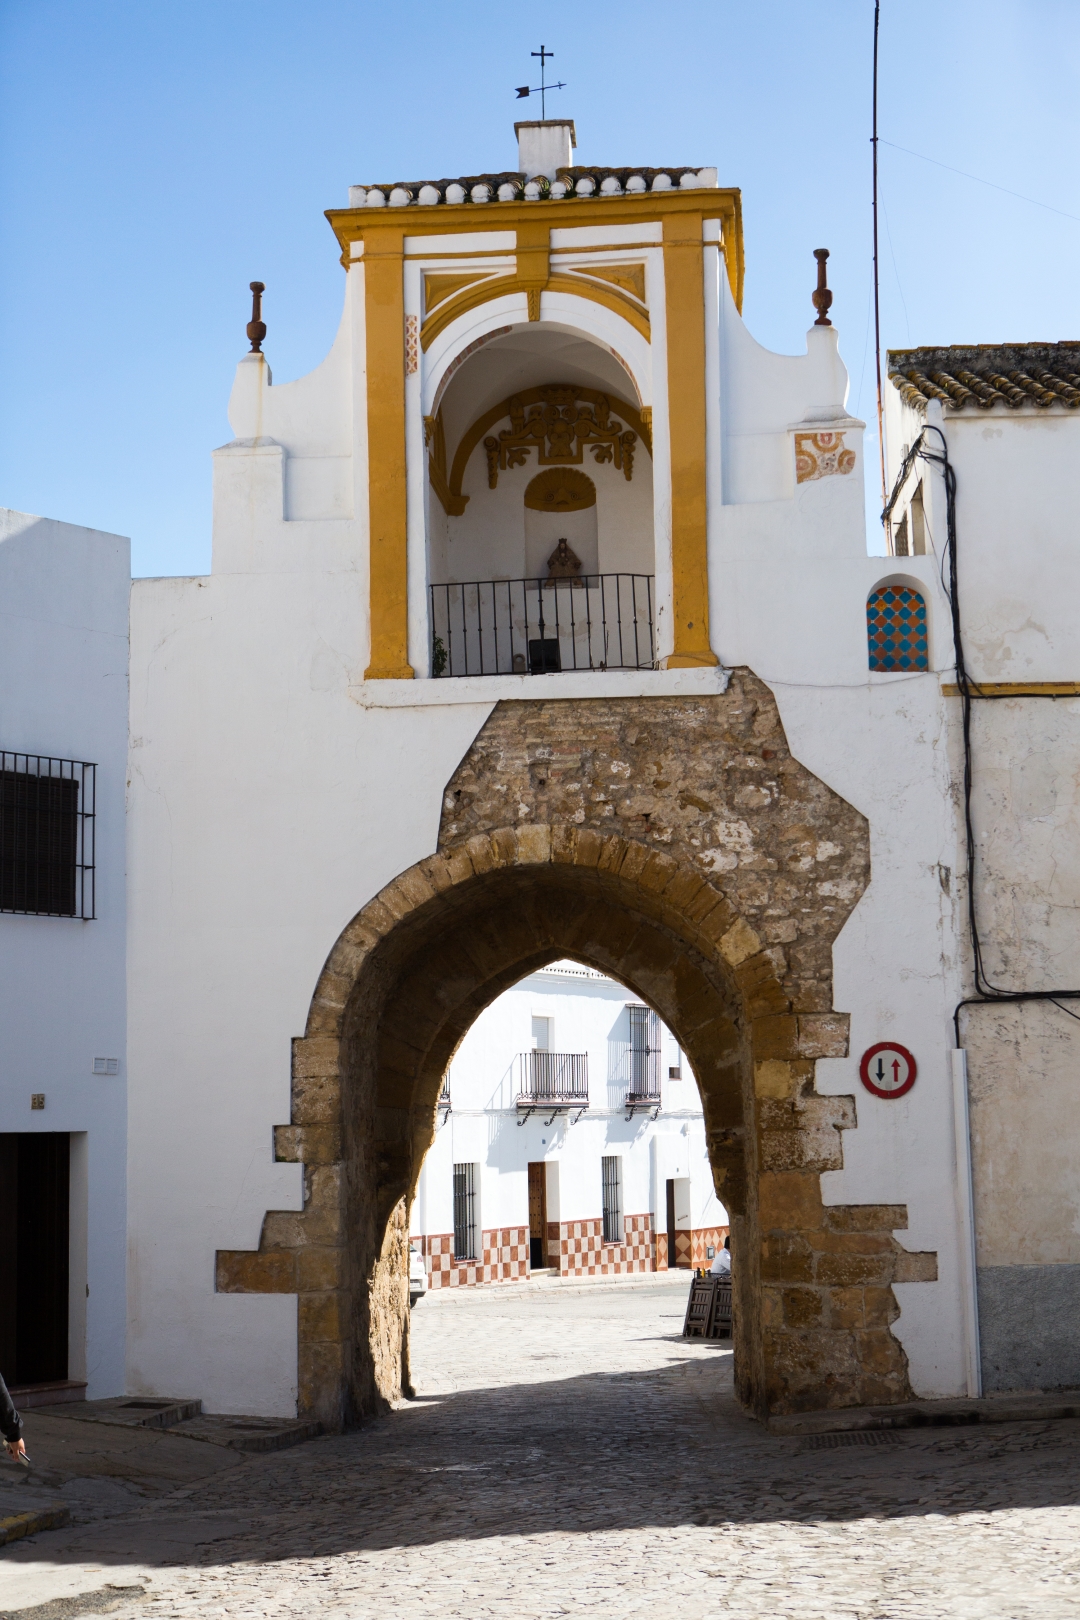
column 560, row 490
column 558, row 430
column 412, row 344
column 820, row 455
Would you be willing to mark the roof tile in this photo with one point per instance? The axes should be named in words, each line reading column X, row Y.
column 984, row 375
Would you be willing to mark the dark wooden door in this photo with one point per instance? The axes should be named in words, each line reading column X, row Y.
column 34, row 1172
column 671, row 1225
column 537, row 1216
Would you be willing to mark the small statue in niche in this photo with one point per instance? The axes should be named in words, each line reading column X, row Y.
column 563, row 564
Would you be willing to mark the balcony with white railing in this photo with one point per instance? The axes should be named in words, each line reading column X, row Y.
column 543, row 626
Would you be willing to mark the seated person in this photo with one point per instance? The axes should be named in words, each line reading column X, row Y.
column 721, row 1266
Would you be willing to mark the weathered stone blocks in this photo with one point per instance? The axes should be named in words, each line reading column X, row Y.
column 676, row 844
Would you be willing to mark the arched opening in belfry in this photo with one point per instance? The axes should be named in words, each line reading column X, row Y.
column 677, row 846
column 540, row 510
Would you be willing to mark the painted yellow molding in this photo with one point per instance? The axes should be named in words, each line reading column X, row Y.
column 435, row 439
column 438, row 256
column 629, row 278
column 528, row 396
column 384, row 305
column 560, row 489
column 684, row 299
column 1016, row 689
column 604, row 247
column 557, row 281
column 449, row 219
column 438, row 286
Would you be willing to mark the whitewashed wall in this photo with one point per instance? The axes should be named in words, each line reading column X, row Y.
column 589, row 1014
column 273, row 793
column 1019, row 575
column 63, row 692
column 789, row 584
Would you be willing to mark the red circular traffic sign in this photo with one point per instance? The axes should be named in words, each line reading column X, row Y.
column 887, row 1069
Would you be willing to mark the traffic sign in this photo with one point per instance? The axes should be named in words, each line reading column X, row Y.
column 887, row 1069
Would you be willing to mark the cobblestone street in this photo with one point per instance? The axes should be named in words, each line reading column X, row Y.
column 569, row 1453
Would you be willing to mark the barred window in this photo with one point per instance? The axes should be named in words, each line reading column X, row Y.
column 644, row 1052
column 896, row 629
column 465, row 1179
column 46, row 835
column 611, row 1178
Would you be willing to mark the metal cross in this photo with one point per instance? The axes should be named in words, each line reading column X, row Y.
column 542, row 88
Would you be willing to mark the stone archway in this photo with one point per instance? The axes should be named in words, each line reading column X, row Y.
column 676, row 844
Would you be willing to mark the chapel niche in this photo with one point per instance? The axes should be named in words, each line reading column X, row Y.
column 537, row 437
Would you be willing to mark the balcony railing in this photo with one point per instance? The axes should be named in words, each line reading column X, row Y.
column 543, row 626
column 555, row 1082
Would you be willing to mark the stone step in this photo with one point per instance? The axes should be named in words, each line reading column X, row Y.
column 248, row 1433
column 1034, row 1407
column 188, row 1419
column 128, row 1411
column 26, row 1396
column 21, row 1515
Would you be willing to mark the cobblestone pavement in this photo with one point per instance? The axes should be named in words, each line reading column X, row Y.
column 570, row 1454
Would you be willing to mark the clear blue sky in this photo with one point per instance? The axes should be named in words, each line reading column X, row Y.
column 157, row 158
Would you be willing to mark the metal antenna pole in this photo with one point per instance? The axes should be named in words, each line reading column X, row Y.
column 877, row 290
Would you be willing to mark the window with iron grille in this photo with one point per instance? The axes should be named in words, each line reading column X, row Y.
column 644, row 1052
column 46, row 835
column 465, row 1179
column 611, row 1177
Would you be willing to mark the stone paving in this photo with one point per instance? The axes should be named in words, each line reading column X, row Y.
column 570, row 1454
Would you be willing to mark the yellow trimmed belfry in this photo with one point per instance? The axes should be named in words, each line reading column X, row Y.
column 556, row 317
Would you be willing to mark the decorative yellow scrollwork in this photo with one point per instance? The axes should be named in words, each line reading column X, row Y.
column 558, row 430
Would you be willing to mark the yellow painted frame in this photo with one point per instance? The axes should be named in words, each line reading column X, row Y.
column 383, row 236
column 500, row 286
column 449, row 219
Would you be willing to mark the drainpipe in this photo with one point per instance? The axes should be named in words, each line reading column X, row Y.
column 965, row 1221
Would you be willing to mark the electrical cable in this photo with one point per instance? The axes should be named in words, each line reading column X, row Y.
column 986, row 992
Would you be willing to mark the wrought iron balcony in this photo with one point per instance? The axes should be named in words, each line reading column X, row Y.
column 543, row 626
column 641, row 1061
column 554, row 1082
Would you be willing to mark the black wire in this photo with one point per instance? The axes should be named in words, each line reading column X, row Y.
column 985, row 990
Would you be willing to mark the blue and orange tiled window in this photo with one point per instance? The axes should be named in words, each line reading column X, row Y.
column 896, row 628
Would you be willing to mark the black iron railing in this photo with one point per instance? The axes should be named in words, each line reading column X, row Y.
column 543, row 626
column 47, row 835
column 553, row 1080
column 643, row 1089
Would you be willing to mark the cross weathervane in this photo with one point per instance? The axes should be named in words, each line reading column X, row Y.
column 542, row 88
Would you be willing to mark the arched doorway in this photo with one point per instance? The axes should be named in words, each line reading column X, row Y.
column 675, row 844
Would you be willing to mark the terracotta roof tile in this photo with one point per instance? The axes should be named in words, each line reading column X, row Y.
column 980, row 376
column 510, row 185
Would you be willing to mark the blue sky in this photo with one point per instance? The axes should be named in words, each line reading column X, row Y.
column 157, row 158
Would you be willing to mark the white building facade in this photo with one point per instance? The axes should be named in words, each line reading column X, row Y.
column 570, row 1140
column 63, row 1018
column 541, row 626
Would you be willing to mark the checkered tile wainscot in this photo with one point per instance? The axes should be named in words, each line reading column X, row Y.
column 582, row 1251
column 504, row 1254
